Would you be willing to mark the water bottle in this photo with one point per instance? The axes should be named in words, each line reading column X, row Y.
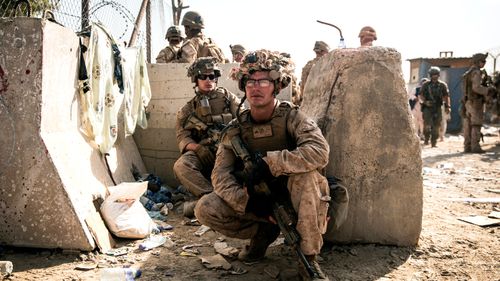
column 342, row 43
column 120, row 274
column 152, row 242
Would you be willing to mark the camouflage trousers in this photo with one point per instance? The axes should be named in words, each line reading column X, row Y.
column 432, row 122
column 309, row 193
column 472, row 123
column 192, row 175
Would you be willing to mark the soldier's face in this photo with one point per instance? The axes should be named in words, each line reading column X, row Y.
column 238, row 57
column 206, row 83
column 259, row 89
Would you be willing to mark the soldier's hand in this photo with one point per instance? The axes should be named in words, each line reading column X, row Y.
column 260, row 169
column 447, row 110
column 206, row 156
column 428, row 103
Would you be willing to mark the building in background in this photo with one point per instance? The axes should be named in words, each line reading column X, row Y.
column 452, row 69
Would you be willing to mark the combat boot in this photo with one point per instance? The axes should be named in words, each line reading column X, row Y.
column 467, row 149
column 188, row 209
column 477, row 149
column 318, row 274
column 266, row 234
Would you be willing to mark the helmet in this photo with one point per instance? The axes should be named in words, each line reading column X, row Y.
column 279, row 67
column 434, row 70
column 203, row 65
column 476, row 58
column 193, row 20
column 368, row 30
column 321, row 46
column 238, row 49
column 174, row 31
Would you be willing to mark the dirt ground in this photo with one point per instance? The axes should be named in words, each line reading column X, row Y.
column 449, row 249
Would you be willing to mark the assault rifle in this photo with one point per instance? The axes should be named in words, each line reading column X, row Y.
column 282, row 211
column 213, row 132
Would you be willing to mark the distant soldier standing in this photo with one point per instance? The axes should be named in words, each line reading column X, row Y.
column 196, row 44
column 475, row 92
column 169, row 53
column 321, row 49
column 433, row 95
column 238, row 52
column 366, row 36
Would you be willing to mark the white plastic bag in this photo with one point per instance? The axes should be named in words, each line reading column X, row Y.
column 124, row 214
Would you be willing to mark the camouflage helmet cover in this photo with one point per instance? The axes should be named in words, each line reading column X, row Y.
column 174, row 31
column 203, row 65
column 280, row 67
column 193, row 19
column 476, row 58
column 321, row 46
column 238, row 49
column 434, row 70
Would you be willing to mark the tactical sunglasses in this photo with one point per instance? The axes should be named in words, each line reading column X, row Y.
column 205, row 76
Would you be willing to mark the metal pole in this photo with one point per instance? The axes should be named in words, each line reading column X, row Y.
column 85, row 13
column 138, row 21
column 148, row 32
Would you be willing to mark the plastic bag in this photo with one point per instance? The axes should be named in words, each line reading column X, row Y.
column 124, row 214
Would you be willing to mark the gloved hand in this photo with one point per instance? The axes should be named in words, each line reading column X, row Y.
column 259, row 170
column 206, row 156
column 428, row 103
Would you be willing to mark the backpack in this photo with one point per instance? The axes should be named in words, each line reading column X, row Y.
column 210, row 49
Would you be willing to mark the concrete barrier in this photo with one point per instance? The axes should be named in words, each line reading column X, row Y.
column 49, row 175
column 358, row 96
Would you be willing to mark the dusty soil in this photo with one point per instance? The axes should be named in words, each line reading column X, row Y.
column 449, row 249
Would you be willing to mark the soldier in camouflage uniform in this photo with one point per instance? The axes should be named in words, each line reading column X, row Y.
column 293, row 148
column 475, row 90
column 174, row 36
column 198, row 128
column 238, row 52
column 321, row 49
column 366, row 36
column 433, row 95
column 196, row 44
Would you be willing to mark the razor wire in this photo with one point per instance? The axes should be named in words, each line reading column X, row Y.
column 118, row 18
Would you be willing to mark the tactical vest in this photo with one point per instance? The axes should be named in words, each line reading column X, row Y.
column 467, row 84
column 219, row 110
column 269, row 136
column 434, row 92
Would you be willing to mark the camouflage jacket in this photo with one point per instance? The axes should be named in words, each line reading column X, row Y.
column 168, row 54
column 311, row 153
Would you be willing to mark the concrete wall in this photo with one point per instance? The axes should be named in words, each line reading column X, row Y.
column 170, row 90
column 49, row 175
column 359, row 94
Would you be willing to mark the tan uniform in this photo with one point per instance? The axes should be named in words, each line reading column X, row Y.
column 305, row 73
column 224, row 209
column 199, row 46
column 474, row 98
column 168, row 54
column 188, row 168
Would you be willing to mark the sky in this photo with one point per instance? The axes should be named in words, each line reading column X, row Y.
column 416, row 29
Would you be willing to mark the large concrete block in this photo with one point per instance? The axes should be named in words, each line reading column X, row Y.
column 358, row 96
column 49, row 174
column 170, row 90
